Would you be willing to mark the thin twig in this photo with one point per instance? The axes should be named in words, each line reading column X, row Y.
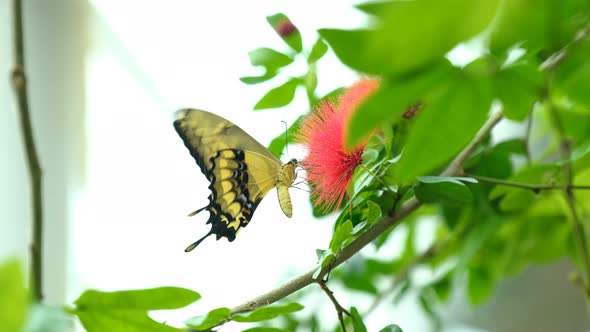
column 578, row 228
column 340, row 311
column 299, row 282
column 456, row 166
column 19, row 83
column 534, row 187
column 556, row 58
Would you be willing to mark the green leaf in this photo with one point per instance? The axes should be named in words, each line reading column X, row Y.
column 264, row 329
column 213, row 318
column 127, row 310
column 581, row 151
column 576, row 124
column 388, row 52
column 445, row 190
column 518, row 87
column 391, row 328
column 512, row 146
column 493, row 163
column 268, row 312
column 573, row 74
column 259, row 79
column 279, row 96
column 517, row 201
column 318, row 50
column 359, row 282
column 142, row 299
column 442, row 287
column 393, row 98
column 13, row 297
column 476, row 238
column 342, row 233
column 361, row 226
column 444, row 127
column 535, row 25
column 326, row 259
column 321, row 253
column 269, row 58
column 286, row 30
column 278, row 144
column 479, row 285
column 373, row 212
column 357, row 321
column 350, row 47
column 377, row 8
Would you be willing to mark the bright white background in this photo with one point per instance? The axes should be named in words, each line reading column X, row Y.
column 105, row 78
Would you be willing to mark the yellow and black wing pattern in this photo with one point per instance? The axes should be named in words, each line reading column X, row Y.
column 240, row 169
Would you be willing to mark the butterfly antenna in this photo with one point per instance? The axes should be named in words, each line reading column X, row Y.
column 286, row 137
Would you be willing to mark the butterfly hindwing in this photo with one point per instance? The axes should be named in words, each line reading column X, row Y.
column 240, row 169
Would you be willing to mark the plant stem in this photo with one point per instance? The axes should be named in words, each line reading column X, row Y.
column 534, row 187
column 578, row 228
column 412, row 204
column 19, row 83
column 340, row 311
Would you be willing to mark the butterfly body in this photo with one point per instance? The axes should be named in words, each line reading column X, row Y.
column 241, row 171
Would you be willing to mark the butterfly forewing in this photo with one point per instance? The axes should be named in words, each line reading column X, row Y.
column 240, row 169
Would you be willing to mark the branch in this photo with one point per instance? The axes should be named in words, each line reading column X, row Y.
column 456, row 166
column 534, row 187
column 19, row 84
column 578, row 228
column 556, row 58
column 371, row 234
column 340, row 311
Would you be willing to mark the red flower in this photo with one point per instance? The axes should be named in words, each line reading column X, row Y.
column 329, row 165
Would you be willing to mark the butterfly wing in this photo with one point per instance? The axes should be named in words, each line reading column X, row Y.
column 240, row 169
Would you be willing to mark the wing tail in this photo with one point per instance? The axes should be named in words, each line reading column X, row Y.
column 196, row 243
column 199, row 210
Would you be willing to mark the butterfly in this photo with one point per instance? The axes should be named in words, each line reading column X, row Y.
column 241, row 171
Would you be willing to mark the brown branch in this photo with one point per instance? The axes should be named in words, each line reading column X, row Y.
column 534, row 187
column 19, row 83
column 304, row 280
column 340, row 311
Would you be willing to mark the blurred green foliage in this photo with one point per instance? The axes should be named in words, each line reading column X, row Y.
column 522, row 201
column 511, row 210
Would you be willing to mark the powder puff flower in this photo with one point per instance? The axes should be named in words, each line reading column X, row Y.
column 329, row 164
